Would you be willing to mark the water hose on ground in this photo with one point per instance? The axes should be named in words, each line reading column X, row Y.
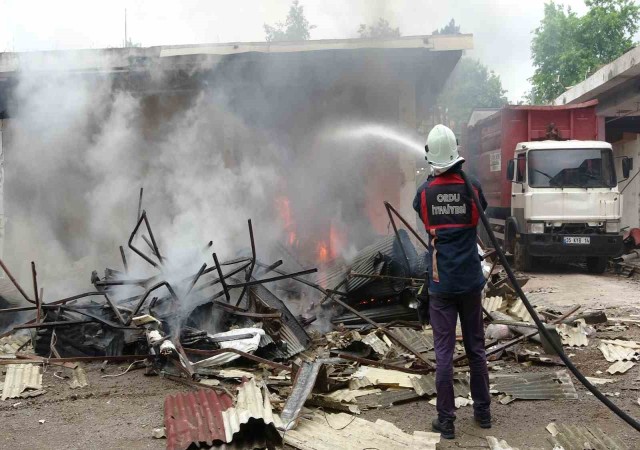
column 543, row 331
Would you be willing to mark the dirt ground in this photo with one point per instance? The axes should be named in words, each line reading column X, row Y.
column 121, row 412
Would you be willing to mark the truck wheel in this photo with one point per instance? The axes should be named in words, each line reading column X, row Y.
column 521, row 258
column 597, row 264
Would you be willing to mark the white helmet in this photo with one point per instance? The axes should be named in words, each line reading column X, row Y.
column 442, row 148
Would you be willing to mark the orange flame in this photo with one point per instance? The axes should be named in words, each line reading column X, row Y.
column 322, row 252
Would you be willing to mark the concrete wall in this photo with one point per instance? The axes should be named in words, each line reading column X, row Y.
column 629, row 146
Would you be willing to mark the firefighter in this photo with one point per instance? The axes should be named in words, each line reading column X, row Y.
column 455, row 280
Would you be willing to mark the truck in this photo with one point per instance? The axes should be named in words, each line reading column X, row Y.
column 550, row 182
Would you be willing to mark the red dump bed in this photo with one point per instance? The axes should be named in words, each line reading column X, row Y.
column 491, row 142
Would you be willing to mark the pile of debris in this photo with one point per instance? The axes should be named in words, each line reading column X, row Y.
column 628, row 264
column 263, row 375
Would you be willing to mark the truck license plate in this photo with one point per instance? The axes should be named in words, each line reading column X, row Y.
column 571, row 240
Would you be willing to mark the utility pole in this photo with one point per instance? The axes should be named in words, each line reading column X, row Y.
column 125, row 29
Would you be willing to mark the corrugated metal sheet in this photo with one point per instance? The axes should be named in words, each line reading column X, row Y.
column 613, row 352
column 302, row 387
column 520, row 311
column 292, row 333
column 426, row 385
column 578, row 437
column 385, row 399
column 495, row 444
column 535, row 386
column 78, row 378
column 573, row 336
column 377, row 344
column 380, row 314
column 421, row 341
column 208, row 417
column 341, row 431
column 20, row 377
column 492, row 303
column 620, row 367
column 10, row 344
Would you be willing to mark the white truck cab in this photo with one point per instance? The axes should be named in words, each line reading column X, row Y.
column 565, row 202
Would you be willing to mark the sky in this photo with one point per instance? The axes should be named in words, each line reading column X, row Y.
column 502, row 29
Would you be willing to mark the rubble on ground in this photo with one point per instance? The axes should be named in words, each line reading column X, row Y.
column 262, row 375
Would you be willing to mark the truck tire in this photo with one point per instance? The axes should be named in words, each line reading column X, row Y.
column 597, row 264
column 521, row 258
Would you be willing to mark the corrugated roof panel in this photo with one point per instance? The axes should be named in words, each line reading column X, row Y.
column 578, row 437
column 421, row 341
column 620, row 367
column 342, row 431
column 492, row 303
column 573, row 336
column 206, row 416
column 520, row 311
column 535, row 386
column 20, row 377
column 377, row 344
column 426, row 385
column 613, row 353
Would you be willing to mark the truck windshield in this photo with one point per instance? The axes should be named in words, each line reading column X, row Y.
column 585, row 168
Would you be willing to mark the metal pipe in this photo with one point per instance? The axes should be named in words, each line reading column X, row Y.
column 124, row 260
column 15, row 282
column 52, row 324
column 150, row 245
column 197, row 277
column 35, row 291
column 147, row 293
column 270, row 268
column 300, row 280
column 406, row 224
column 217, row 280
column 221, row 278
column 132, row 247
column 140, row 204
column 395, row 230
column 385, row 277
column 370, row 362
column 269, row 280
column 247, row 276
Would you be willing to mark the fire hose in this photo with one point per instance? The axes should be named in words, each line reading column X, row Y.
column 543, row 331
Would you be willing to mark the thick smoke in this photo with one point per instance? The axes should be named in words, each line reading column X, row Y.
column 79, row 147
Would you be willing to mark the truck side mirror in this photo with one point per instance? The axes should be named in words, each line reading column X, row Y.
column 627, row 166
column 510, row 169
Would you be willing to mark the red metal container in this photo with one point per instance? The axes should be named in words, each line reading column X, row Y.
column 491, row 142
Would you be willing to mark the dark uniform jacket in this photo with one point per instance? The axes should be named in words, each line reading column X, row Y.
column 450, row 217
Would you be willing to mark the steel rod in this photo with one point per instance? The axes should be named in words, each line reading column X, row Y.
column 269, row 280
column 400, row 243
column 134, row 248
column 140, row 204
column 124, row 260
column 406, row 224
column 35, row 291
column 220, row 351
column 15, row 282
column 196, row 278
column 221, row 278
column 247, row 276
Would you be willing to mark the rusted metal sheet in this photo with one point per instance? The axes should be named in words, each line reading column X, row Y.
column 21, row 377
column 208, row 417
column 578, row 437
column 385, row 399
column 535, row 386
column 322, row 431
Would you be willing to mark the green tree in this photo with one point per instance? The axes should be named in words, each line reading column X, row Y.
column 450, row 28
column 381, row 29
column 296, row 27
column 567, row 48
column 471, row 85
